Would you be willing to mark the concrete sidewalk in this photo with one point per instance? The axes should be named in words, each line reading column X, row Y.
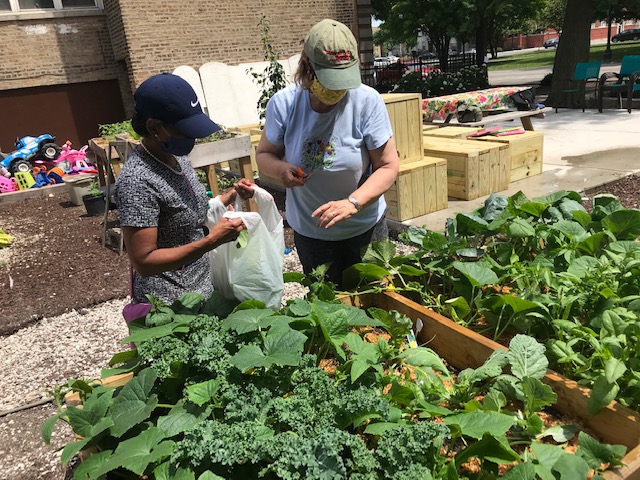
column 581, row 151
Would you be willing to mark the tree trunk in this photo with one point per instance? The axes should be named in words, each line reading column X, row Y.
column 572, row 48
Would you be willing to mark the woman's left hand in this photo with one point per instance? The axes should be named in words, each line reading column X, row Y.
column 333, row 212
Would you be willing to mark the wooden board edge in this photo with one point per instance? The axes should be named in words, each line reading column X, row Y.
column 73, row 398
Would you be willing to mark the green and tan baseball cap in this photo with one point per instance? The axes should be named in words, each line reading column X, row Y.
column 333, row 52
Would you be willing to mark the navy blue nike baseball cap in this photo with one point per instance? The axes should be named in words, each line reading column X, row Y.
column 170, row 99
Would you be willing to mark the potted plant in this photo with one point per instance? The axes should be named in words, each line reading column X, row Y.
column 94, row 201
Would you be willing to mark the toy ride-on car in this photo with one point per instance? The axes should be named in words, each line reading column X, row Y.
column 28, row 149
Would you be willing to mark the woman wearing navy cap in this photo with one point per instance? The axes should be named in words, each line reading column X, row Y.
column 161, row 203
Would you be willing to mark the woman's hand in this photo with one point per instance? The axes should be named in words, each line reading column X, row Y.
column 333, row 212
column 225, row 230
column 244, row 188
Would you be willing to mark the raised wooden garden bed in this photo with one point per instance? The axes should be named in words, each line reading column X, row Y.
column 421, row 188
column 474, row 169
column 462, row 348
column 405, row 114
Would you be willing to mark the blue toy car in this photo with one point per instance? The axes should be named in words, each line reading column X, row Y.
column 29, row 148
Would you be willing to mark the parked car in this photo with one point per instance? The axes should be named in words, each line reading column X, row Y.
column 390, row 72
column 551, row 42
column 427, row 56
column 28, row 148
column 632, row 34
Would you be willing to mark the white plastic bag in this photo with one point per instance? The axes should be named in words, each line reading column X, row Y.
column 254, row 271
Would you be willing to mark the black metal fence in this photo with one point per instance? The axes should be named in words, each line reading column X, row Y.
column 391, row 72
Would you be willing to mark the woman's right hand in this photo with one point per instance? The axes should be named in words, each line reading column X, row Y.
column 225, row 230
column 290, row 176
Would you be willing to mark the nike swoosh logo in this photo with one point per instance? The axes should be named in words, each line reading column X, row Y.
column 195, row 104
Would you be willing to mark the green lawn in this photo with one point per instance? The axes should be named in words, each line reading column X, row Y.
column 544, row 58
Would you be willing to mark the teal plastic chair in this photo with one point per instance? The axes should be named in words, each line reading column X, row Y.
column 584, row 72
column 626, row 81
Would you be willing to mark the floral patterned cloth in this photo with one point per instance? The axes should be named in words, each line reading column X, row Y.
column 489, row 99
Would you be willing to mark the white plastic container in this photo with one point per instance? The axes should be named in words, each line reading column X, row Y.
column 79, row 185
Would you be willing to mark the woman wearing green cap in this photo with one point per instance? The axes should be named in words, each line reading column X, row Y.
column 328, row 138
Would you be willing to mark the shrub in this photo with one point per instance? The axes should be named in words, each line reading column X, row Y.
column 442, row 83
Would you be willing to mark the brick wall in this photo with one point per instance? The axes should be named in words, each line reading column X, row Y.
column 164, row 34
column 55, row 51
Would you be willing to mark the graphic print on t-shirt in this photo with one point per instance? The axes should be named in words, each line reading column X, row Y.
column 318, row 153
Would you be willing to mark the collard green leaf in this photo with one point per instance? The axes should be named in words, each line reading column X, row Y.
column 560, row 433
column 517, row 304
column 181, row 418
column 379, row 252
column 470, row 253
column 596, row 454
column 534, row 208
column 137, row 453
column 526, row 357
column 614, row 369
column 397, row 324
column 469, row 224
column 478, row 423
column 571, row 467
column 188, row 303
column 143, row 334
column 478, row 273
column 489, row 448
column 558, row 196
column 491, row 368
column 46, row 430
column 243, row 239
column 91, row 467
column 582, row 266
column 123, row 357
column 537, row 395
column 583, row 218
column 165, row 471
column 520, row 228
column 203, row 392
column 569, row 228
column 424, row 357
column 134, row 404
column 82, row 420
column 593, row 244
column 624, row 224
column 282, row 346
column 355, row 316
column 494, row 400
column 209, row 475
column 244, row 321
column 547, row 456
column 567, row 206
column 70, row 450
column 522, row 471
column 602, row 394
column 378, row 428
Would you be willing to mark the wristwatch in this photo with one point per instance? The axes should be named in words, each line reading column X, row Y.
column 355, row 203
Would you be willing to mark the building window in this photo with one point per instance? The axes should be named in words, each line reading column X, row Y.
column 17, row 6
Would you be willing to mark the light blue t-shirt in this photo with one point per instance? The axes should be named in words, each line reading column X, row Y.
column 336, row 146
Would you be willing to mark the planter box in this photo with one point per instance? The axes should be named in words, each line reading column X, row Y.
column 79, row 186
column 421, row 188
column 474, row 169
column 525, row 152
column 463, row 348
column 405, row 113
column 451, row 132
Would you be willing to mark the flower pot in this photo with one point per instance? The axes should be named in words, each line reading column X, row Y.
column 94, row 204
column 79, row 186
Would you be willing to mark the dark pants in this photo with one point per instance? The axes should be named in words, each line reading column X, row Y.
column 340, row 254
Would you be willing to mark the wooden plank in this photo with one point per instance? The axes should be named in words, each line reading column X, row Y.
column 73, row 398
column 451, row 132
column 12, row 197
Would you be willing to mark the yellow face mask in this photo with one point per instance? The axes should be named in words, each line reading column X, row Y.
column 326, row 96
